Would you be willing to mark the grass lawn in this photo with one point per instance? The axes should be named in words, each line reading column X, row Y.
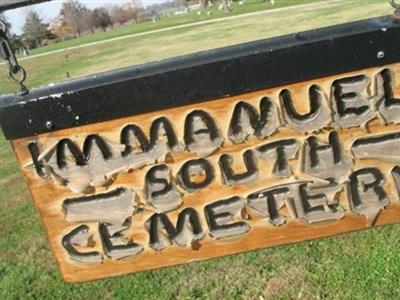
column 362, row 265
column 140, row 49
column 248, row 6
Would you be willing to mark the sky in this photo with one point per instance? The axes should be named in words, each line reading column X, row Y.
column 49, row 10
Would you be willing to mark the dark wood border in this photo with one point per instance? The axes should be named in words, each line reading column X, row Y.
column 202, row 76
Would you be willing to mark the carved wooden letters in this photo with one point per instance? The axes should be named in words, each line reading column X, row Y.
column 259, row 169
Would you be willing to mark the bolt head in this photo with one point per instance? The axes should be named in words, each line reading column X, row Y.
column 49, row 124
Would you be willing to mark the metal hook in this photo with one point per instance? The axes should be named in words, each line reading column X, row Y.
column 23, row 90
column 396, row 6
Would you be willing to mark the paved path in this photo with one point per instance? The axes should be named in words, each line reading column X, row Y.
column 212, row 21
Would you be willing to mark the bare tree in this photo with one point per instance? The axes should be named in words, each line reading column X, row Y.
column 130, row 12
column 60, row 28
column 87, row 21
column 135, row 10
column 118, row 15
column 77, row 16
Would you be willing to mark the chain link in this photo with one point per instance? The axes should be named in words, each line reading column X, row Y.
column 16, row 72
column 396, row 6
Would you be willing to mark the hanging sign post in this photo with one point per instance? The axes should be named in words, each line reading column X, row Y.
column 257, row 145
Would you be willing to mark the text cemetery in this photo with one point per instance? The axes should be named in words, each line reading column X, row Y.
column 273, row 162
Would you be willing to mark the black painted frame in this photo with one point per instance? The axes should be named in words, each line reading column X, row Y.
column 10, row 4
column 202, row 76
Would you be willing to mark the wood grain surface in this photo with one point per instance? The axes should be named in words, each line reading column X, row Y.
column 59, row 216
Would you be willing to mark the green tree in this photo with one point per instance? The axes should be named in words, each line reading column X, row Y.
column 101, row 18
column 34, row 30
column 16, row 42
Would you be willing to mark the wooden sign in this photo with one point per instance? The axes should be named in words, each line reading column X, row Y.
column 252, row 146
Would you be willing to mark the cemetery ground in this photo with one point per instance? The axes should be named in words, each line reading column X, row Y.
column 55, row 67
column 361, row 265
column 210, row 13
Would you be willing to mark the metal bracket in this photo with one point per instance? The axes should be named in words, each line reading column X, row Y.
column 203, row 76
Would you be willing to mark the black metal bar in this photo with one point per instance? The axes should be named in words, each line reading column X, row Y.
column 10, row 4
column 203, row 76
